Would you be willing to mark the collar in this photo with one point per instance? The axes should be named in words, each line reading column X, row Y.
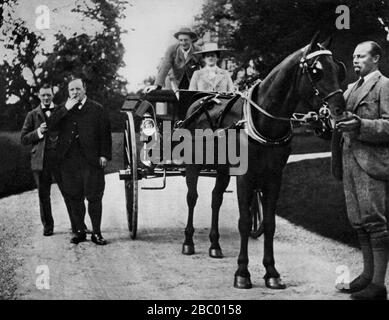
column 186, row 51
column 212, row 69
column 51, row 106
column 82, row 103
column 370, row 75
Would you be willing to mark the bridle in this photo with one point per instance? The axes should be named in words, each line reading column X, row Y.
column 324, row 111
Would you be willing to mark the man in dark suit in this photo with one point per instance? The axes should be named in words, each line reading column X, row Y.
column 180, row 61
column 44, row 161
column 361, row 158
column 85, row 146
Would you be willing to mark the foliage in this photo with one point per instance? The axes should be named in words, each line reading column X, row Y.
column 266, row 31
column 96, row 58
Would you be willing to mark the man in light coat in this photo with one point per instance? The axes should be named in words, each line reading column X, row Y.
column 361, row 158
column 179, row 62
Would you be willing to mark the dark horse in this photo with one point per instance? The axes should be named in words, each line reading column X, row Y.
column 310, row 77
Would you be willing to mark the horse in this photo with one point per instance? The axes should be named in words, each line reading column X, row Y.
column 310, row 76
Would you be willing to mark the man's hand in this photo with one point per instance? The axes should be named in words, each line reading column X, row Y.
column 70, row 103
column 43, row 128
column 151, row 88
column 103, row 162
column 350, row 125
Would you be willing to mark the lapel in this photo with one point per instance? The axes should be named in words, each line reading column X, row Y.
column 40, row 113
column 366, row 88
column 219, row 76
column 350, row 88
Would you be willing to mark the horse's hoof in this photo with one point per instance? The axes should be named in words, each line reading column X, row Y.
column 215, row 253
column 274, row 283
column 242, row 282
column 188, row 249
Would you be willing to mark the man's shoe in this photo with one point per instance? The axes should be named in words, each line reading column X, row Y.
column 78, row 238
column 371, row 292
column 48, row 233
column 98, row 239
column 358, row 284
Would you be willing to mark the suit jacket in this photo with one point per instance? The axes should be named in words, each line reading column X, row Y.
column 370, row 145
column 202, row 82
column 29, row 135
column 174, row 60
column 93, row 127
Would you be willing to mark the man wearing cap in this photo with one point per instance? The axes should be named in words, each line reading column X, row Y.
column 180, row 60
column 211, row 77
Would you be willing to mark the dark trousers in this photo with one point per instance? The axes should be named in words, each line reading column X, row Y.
column 43, row 180
column 82, row 180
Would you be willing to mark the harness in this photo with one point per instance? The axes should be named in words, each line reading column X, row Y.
column 247, row 121
column 324, row 111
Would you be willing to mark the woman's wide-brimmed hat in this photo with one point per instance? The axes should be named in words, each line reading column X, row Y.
column 210, row 47
column 186, row 31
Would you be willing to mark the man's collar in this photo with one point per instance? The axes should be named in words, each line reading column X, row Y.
column 51, row 106
column 186, row 51
column 370, row 75
column 82, row 103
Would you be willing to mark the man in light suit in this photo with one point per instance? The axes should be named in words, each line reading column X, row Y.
column 44, row 160
column 180, row 61
column 361, row 158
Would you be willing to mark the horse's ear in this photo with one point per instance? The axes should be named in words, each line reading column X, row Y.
column 313, row 45
column 327, row 43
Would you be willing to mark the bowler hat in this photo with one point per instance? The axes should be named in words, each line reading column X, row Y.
column 187, row 31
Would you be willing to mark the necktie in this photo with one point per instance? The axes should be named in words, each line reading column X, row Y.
column 360, row 82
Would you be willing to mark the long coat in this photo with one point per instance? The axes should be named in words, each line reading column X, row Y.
column 175, row 61
column 202, row 82
column 371, row 145
column 94, row 130
column 29, row 135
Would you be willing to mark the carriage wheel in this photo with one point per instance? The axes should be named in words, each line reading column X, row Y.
column 131, row 184
column 256, row 210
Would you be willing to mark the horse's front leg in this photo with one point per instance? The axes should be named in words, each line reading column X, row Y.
column 271, row 193
column 245, row 193
column 191, row 177
column 222, row 181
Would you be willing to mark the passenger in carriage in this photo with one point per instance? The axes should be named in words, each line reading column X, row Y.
column 179, row 62
column 211, row 77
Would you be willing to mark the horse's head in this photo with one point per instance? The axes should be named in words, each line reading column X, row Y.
column 321, row 75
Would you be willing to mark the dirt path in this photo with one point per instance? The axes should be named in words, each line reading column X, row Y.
column 152, row 267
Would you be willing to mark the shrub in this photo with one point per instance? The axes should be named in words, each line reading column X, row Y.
column 15, row 170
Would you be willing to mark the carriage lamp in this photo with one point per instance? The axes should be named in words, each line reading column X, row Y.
column 148, row 125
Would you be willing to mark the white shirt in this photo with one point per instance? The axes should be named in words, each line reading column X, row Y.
column 186, row 52
column 370, row 75
column 211, row 72
column 82, row 103
column 48, row 114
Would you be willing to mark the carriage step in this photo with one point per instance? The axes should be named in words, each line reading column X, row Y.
column 125, row 174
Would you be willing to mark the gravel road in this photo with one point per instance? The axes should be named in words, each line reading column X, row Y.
column 152, row 267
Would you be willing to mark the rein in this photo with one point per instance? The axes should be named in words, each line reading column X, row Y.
column 324, row 111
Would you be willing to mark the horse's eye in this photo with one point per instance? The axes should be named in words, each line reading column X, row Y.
column 316, row 73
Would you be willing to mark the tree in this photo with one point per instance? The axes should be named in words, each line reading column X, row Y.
column 96, row 58
column 268, row 30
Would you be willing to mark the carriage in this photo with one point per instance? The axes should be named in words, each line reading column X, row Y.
column 144, row 117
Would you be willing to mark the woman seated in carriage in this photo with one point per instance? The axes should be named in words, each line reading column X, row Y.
column 211, row 77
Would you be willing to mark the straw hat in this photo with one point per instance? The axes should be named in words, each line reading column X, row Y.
column 186, row 31
column 210, row 47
